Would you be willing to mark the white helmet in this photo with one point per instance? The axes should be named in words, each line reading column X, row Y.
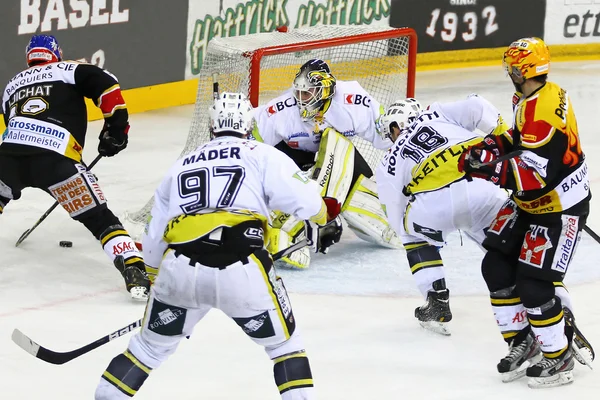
column 231, row 112
column 401, row 114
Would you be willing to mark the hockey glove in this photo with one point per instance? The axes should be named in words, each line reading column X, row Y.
column 113, row 139
column 333, row 207
column 470, row 163
column 321, row 238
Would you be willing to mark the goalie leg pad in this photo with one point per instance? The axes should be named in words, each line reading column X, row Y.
column 425, row 263
column 364, row 215
column 335, row 165
column 123, row 377
column 285, row 231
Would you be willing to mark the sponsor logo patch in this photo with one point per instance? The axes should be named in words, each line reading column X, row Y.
column 534, row 248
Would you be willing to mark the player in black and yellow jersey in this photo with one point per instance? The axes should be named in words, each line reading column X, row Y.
column 533, row 239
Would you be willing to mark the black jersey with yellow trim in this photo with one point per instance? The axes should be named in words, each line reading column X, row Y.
column 52, row 96
column 550, row 175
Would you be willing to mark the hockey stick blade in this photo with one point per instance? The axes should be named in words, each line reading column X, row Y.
column 477, row 164
column 43, row 217
column 58, row 358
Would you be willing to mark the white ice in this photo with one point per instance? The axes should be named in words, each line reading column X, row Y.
column 354, row 306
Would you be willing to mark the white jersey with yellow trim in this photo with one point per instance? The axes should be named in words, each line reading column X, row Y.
column 425, row 156
column 352, row 112
column 229, row 174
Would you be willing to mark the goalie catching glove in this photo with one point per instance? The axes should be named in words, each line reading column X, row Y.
column 113, row 139
column 325, row 231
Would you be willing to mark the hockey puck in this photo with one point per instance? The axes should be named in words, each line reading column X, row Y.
column 65, row 243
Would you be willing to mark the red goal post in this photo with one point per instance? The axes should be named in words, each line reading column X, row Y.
column 257, row 55
column 263, row 66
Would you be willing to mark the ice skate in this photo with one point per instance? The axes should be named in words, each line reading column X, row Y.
column 582, row 349
column 136, row 280
column 552, row 372
column 435, row 314
column 519, row 357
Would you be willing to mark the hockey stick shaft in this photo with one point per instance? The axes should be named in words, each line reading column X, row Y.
column 508, row 156
column 58, row 358
column 590, row 232
column 43, row 217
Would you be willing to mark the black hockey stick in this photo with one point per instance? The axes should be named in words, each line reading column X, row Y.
column 590, row 232
column 508, row 156
column 43, row 217
column 58, row 358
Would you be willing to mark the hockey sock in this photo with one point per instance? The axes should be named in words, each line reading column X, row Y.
column 510, row 313
column 548, row 325
column 125, row 373
column 425, row 263
column 116, row 242
column 292, row 372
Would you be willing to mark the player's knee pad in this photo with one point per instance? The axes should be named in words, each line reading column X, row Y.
column 334, row 168
column 292, row 372
column 497, row 272
column 365, row 216
column 285, row 230
column 126, row 374
column 425, row 264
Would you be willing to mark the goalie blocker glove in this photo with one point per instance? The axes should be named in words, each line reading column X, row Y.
column 113, row 139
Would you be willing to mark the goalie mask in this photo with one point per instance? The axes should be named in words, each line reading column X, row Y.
column 231, row 114
column 400, row 115
column 42, row 49
column 314, row 86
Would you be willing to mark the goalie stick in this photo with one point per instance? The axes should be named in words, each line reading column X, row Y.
column 59, row 358
column 43, row 217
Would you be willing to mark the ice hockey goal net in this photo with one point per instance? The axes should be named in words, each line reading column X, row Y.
column 263, row 65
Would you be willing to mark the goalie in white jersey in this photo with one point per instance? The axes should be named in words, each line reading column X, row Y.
column 207, row 235
column 318, row 115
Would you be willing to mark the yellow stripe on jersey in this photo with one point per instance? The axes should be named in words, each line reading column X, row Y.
column 505, row 302
column 187, row 228
column 273, row 295
column 440, row 169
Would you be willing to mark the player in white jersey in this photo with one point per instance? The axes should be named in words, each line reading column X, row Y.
column 207, row 234
column 426, row 197
column 313, row 123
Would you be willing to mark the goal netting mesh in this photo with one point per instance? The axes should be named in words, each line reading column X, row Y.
column 263, row 66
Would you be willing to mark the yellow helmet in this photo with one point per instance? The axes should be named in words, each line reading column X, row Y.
column 527, row 57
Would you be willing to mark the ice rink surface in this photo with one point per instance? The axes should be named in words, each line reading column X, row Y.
column 354, row 306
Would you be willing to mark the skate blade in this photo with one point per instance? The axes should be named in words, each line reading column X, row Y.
column 521, row 371
column 440, row 328
column 583, row 355
column 560, row 379
column 139, row 293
